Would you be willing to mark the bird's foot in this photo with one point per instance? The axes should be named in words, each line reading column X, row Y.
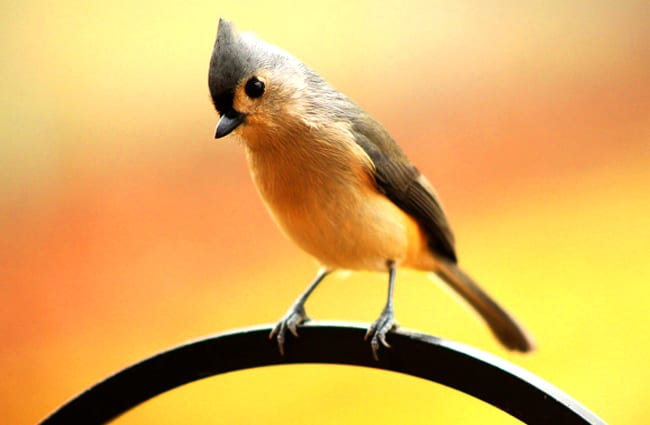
column 295, row 317
column 378, row 330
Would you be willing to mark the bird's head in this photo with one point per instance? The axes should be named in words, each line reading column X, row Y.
column 256, row 87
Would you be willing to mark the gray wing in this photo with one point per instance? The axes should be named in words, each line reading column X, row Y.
column 403, row 184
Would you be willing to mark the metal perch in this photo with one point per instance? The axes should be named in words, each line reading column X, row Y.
column 476, row 373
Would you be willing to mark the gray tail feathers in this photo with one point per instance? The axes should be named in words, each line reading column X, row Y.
column 504, row 327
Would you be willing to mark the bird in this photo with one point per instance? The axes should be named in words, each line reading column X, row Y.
column 335, row 182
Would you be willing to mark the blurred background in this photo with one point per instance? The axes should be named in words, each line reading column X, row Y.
column 127, row 229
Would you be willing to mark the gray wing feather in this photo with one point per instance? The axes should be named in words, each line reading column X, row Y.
column 403, row 184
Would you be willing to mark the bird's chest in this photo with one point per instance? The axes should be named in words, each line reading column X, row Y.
column 327, row 203
column 308, row 194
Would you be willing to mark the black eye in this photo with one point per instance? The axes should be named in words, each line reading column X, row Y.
column 254, row 88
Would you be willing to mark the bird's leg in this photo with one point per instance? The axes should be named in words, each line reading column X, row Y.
column 296, row 315
column 386, row 321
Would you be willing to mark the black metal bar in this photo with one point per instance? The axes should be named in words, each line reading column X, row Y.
column 484, row 376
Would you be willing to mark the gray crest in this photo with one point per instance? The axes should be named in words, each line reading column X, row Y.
column 235, row 57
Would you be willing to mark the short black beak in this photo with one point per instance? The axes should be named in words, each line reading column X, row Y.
column 228, row 122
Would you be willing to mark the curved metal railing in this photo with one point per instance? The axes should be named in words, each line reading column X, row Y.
column 484, row 376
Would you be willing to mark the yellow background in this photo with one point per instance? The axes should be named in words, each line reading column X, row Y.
column 127, row 229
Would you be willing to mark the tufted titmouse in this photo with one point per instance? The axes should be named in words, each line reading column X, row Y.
column 335, row 181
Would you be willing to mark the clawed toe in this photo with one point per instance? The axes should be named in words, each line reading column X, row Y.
column 295, row 317
column 378, row 330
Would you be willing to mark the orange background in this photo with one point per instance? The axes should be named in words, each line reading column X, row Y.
column 127, row 229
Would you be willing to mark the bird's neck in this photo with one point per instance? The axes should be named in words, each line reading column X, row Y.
column 283, row 161
column 301, row 163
